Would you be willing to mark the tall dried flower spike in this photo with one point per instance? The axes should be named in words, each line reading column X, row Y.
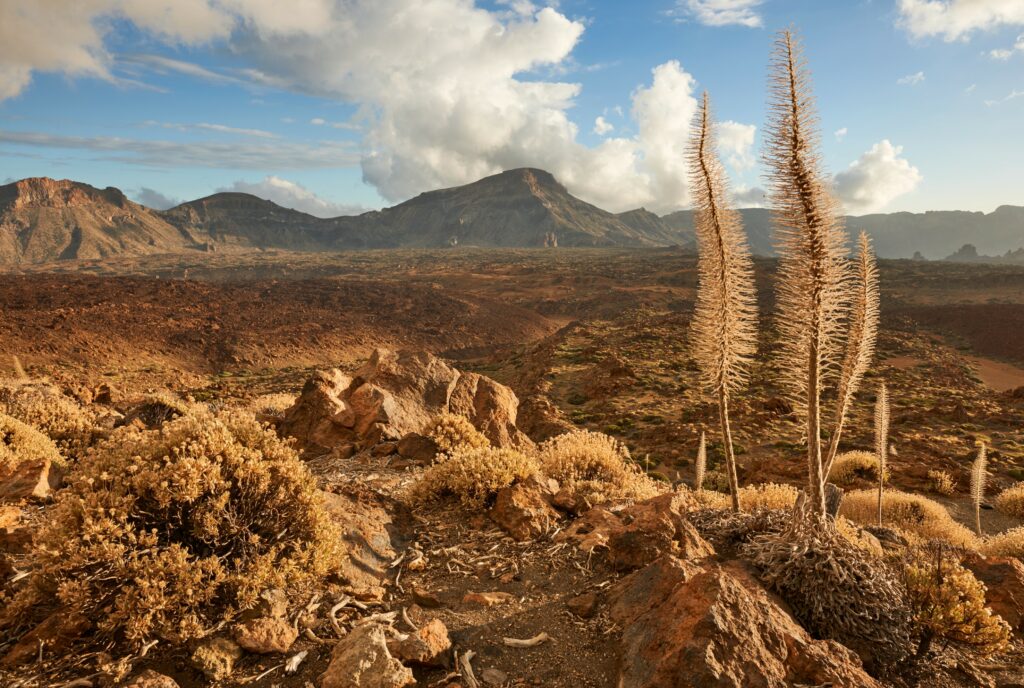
column 724, row 327
column 860, row 341
column 978, row 474
column 882, row 441
column 813, row 292
column 700, row 465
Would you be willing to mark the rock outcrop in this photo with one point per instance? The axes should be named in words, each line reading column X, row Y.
column 1004, row 582
column 393, row 395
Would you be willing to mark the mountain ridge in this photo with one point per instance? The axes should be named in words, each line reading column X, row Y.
column 43, row 220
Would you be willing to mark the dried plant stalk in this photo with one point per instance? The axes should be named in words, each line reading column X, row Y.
column 813, row 292
column 700, row 465
column 978, row 475
column 860, row 341
column 882, row 441
column 724, row 327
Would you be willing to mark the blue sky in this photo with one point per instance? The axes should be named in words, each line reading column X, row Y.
column 334, row 106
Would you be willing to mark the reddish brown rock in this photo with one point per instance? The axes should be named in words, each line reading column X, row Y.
column 425, row 599
column 265, row 635
column 321, row 417
column 427, row 646
column 362, row 660
column 55, row 634
column 1004, row 579
column 32, row 479
column 591, row 530
column 369, row 550
column 491, row 407
column 151, row 679
column 716, row 626
column 652, row 528
column 417, row 447
column 488, row 599
column 583, row 606
column 524, row 510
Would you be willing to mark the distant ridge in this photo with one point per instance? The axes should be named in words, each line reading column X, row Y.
column 43, row 220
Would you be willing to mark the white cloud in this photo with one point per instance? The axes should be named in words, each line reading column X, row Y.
column 911, row 79
column 154, row 199
column 602, row 126
column 218, row 128
column 1006, row 53
column 841, row 133
column 736, row 143
column 720, row 12
column 213, row 154
column 436, row 107
column 749, row 197
column 1012, row 95
column 876, row 178
column 321, row 122
column 291, row 195
column 957, row 19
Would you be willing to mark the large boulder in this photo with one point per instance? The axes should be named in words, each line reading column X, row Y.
column 394, row 395
column 1004, row 582
column 655, row 527
column 711, row 625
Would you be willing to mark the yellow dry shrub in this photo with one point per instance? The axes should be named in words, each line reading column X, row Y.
column 167, row 533
column 911, row 513
column 272, row 404
column 50, row 411
column 948, row 603
column 1009, row 543
column 595, row 468
column 474, row 476
column 452, row 433
column 1011, row 501
column 851, row 465
column 752, row 497
column 941, row 482
column 20, row 442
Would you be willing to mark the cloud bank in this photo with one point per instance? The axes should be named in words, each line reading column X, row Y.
column 957, row 19
column 876, row 178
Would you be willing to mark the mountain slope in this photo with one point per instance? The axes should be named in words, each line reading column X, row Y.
column 45, row 219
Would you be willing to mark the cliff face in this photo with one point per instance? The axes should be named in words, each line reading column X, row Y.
column 46, row 219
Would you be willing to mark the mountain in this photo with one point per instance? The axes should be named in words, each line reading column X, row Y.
column 45, row 219
column 968, row 253
column 521, row 207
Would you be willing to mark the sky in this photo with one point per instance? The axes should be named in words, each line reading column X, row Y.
column 339, row 106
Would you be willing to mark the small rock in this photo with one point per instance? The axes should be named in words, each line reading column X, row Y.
column 417, row 447
column 425, row 599
column 427, row 646
column 29, row 480
column 362, row 660
column 524, row 510
column 488, row 599
column 494, row 677
column 266, row 636
column 151, row 679
column 216, row 658
column 385, row 449
column 106, row 394
column 55, row 634
column 583, row 605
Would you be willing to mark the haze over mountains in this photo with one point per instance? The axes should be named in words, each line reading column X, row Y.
column 44, row 220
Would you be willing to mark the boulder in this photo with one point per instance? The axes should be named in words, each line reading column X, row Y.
column 216, row 657
column 592, row 530
column 266, row 635
column 713, row 625
column 33, row 479
column 369, row 549
column 362, row 660
column 523, row 510
column 1004, row 579
column 427, row 646
column 151, row 679
column 393, row 395
column 655, row 527
column 417, row 447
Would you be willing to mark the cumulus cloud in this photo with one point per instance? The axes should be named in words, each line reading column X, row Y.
column 438, row 107
column 154, row 199
column 291, row 195
column 956, row 19
column 602, row 126
column 911, row 79
column 720, row 12
column 736, row 143
column 876, row 178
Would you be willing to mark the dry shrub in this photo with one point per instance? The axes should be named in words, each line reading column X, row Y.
column 913, row 514
column 727, row 529
column 167, row 533
column 156, row 409
column 1009, row 543
column 1011, row 501
column 941, row 482
column 271, row 404
column 860, row 538
column 851, row 465
column 452, row 433
column 948, row 603
column 716, row 481
column 20, row 442
column 474, row 476
column 835, row 589
column 50, row 411
column 752, row 497
column 595, row 468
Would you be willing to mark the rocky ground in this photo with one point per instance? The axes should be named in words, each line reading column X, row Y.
column 532, row 592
